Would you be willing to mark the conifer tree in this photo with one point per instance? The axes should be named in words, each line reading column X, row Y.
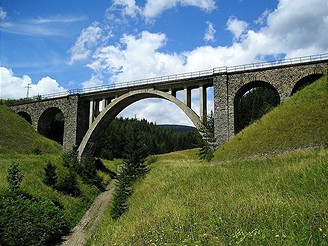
column 14, row 177
column 50, row 178
column 209, row 140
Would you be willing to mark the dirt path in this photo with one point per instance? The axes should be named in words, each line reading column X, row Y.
column 83, row 230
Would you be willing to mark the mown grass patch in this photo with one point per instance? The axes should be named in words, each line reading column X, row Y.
column 279, row 200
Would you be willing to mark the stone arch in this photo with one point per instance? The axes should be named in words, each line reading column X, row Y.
column 25, row 116
column 243, row 90
column 88, row 143
column 47, row 126
column 309, row 79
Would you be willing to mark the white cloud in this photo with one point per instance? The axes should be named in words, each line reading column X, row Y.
column 129, row 7
column 12, row 87
column 3, row 14
column 156, row 110
column 136, row 57
column 87, row 40
column 210, row 32
column 262, row 19
column 154, row 8
column 236, row 27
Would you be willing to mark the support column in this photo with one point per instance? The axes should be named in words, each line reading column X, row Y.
column 91, row 112
column 222, row 121
column 173, row 92
column 202, row 101
column 96, row 108
column 187, row 96
column 103, row 104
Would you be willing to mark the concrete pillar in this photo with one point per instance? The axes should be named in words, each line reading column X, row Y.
column 91, row 112
column 173, row 92
column 202, row 101
column 187, row 96
column 103, row 104
column 96, row 108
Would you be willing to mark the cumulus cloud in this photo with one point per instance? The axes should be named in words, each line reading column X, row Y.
column 156, row 110
column 210, row 32
column 136, row 57
column 87, row 40
column 13, row 87
column 154, row 8
column 236, row 27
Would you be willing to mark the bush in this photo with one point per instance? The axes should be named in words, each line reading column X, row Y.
column 67, row 184
column 87, row 170
column 70, row 159
column 14, row 177
column 50, row 178
column 25, row 220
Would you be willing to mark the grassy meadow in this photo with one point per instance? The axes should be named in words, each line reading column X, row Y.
column 267, row 186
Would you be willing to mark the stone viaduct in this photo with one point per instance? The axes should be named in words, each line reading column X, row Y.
column 87, row 112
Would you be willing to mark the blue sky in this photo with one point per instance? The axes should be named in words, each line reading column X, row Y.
column 56, row 45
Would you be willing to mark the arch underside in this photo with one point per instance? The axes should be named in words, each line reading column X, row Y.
column 47, row 127
column 88, row 144
column 241, row 112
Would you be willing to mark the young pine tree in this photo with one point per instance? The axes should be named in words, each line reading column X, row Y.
column 50, row 177
column 14, row 177
column 133, row 168
column 209, row 140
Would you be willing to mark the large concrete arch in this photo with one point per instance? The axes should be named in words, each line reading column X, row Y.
column 88, row 143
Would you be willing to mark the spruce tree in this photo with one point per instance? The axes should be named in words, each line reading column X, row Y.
column 14, row 177
column 132, row 168
column 209, row 140
column 50, row 177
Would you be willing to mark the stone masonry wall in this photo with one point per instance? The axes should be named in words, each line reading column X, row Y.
column 227, row 86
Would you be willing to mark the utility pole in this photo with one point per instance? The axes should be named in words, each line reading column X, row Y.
column 28, row 87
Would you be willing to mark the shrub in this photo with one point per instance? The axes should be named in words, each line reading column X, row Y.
column 87, row 169
column 50, row 178
column 70, row 159
column 67, row 184
column 14, row 177
column 25, row 220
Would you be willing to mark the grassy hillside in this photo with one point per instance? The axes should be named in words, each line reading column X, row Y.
column 21, row 143
column 299, row 122
column 272, row 200
column 19, row 136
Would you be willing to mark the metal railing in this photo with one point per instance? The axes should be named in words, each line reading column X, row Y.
column 189, row 75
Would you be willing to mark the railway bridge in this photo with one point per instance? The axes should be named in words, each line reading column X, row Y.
column 88, row 111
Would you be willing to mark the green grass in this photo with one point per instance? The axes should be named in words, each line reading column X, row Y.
column 17, row 135
column 274, row 201
column 255, row 191
column 20, row 142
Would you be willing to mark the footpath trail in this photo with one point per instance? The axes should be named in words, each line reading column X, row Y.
column 83, row 230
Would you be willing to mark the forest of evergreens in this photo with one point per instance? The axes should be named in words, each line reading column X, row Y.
column 158, row 140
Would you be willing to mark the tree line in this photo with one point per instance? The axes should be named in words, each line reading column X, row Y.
column 157, row 140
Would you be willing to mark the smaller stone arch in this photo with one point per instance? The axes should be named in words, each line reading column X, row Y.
column 25, row 116
column 238, row 124
column 48, row 126
column 305, row 81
